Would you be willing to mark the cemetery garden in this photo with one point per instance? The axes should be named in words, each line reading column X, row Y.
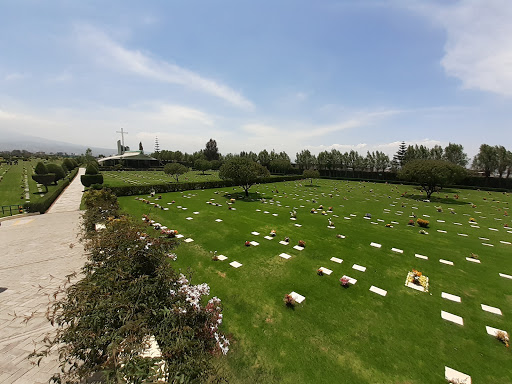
column 342, row 281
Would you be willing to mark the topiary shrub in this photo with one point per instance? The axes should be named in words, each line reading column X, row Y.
column 57, row 170
column 68, row 164
column 42, row 176
column 40, row 169
column 92, row 176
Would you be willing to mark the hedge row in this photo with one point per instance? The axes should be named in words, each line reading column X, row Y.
column 47, row 200
column 129, row 190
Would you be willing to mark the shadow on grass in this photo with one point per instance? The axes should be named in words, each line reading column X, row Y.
column 240, row 196
column 435, row 199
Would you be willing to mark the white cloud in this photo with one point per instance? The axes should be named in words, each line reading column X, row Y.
column 112, row 54
column 478, row 50
column 15, row 76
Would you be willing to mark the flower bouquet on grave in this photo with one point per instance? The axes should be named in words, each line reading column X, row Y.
column 287, row 239
column 411, row 223
column 345, row 282
column 389, row 225
column 417, row 278
column 439, row 209
column 423, row 232
column 289, row 301
column 230, row 207
column 324, row 213
column 321, row 206
column 145, row 218
column 156, row 226
column 232, row 200
column 172, row 256
column 247, row 243
column 170, row 233
column 368, row 215
column 302, row 243
column 293, row 214
column 330, row 209
column 473, row 205
column 473, row 256
column 313, row 210
column 172, row 202
column 215, row 257
column 502, row 337
column 320, row 272
column 472, row 219
column 273, row 232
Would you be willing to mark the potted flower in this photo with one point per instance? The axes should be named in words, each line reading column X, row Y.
column 472, row 219
column 319, row 272
column 302, row 243
column 247, row 243
column 313, row 210
column 321, row 206
column 273, row 232
column 388, row 225
column 344, row 282
column 330, row 209
column 232, row 200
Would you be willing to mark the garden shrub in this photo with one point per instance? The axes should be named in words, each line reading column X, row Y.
column 57, row 170
column 130, row 292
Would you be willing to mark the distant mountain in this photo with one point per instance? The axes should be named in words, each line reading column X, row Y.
column 10, row 141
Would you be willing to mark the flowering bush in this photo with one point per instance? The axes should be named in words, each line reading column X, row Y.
column 302, row 243
column 422, row 223
column 289, row 301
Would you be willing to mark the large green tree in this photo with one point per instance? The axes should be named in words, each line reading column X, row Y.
column 486, row 159
column 454, row 153
column 202, row 165
column 243, row 171
column 175, row 170
column 432, row 175
column 211, row 152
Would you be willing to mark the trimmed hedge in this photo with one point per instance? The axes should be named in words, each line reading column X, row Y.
column 47, row 200
column 129, row 190
column 88, row 180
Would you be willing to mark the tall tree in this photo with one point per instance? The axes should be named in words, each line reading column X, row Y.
column 454, row 153
column 304, row 159
column 264, row 158
column 399, row 157
column 502, row 156
column 432, row 175
column 243, row 171
column 140, row 146
column 486, row 159
column 381, row 161
column 211, row 152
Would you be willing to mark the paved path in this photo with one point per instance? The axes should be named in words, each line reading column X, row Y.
column 37, row 252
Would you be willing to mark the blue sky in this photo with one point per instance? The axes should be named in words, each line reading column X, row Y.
column 283, row 75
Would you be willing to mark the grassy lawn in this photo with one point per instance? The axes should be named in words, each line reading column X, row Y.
column 13, row 187
column 350, row 335
column 124, row 178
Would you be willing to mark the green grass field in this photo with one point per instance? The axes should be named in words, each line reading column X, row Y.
column 350, row 335
column 124, row 178
column 13, row 188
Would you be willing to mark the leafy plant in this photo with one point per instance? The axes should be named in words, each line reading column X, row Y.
column 129, row 293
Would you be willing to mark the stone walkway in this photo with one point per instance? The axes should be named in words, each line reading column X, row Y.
column 37, row 254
